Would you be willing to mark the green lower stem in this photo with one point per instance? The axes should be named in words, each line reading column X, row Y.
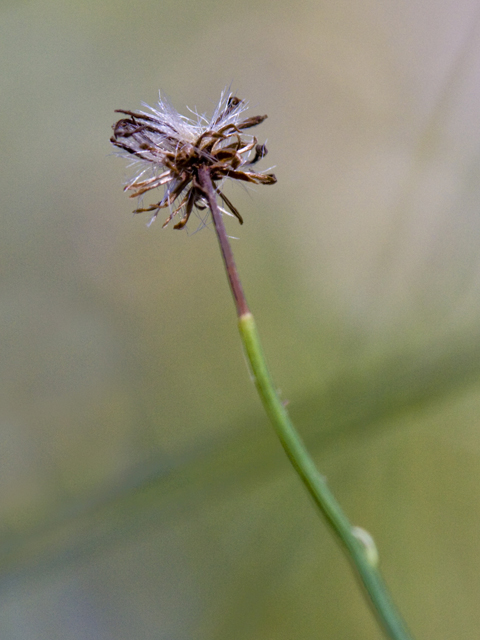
column 361, row 557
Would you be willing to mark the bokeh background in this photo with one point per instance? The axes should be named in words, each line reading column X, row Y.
column 142, row 491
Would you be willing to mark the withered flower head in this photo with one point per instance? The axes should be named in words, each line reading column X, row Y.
column 169, row 149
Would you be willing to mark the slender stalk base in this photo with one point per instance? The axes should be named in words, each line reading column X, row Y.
column 362, row 554
column 363, row 559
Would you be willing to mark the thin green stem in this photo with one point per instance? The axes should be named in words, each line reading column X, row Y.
column 363, row 558
column 360, row 548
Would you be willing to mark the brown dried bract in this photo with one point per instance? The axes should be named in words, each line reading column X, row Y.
column 170, row 148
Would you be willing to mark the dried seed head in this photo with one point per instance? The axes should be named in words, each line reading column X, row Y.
column 169, row 148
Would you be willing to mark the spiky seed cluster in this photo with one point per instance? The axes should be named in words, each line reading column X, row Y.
column 169, row 149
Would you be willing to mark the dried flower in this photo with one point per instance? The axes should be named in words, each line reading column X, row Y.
column 169, row 149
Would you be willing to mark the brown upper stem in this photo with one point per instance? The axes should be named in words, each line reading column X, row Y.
column 206, row 184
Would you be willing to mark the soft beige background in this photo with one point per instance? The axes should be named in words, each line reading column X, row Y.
column 142, row 492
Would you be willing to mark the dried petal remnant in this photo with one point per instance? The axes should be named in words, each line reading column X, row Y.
column 169, row 148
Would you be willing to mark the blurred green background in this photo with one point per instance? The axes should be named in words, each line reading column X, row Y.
column 142, row 492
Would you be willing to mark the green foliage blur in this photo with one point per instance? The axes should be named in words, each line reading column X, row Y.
column 142, row 492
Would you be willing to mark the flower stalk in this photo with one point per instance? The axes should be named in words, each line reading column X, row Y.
column 359, row 555
column 206, row 184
